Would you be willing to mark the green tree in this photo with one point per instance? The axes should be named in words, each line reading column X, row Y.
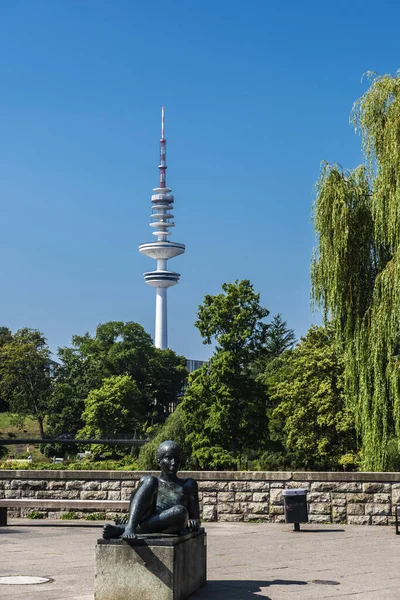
column 356, row 268
column 5, row 338
column 25, row 381
column 310, row 415
column 280, row 337
column 114, row 408
column 224, row 406
column 117, row 348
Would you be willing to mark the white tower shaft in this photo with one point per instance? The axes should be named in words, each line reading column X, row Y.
column 161, row 330
column 162, row 250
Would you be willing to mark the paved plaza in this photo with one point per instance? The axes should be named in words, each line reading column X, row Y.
column 245, row 560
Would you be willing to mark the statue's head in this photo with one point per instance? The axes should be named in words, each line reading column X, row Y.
column 168, row 456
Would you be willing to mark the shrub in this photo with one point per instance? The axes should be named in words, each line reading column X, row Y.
column 35, row 514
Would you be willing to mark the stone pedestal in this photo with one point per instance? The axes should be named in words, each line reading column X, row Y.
column 151, row 567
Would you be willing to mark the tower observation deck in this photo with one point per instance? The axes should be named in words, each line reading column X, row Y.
column 162, row 249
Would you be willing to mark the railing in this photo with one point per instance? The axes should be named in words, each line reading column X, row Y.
column 117, row 441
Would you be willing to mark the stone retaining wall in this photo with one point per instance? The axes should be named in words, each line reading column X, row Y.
column 353, row 498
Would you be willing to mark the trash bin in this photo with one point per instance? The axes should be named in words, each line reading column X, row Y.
column 295, row 505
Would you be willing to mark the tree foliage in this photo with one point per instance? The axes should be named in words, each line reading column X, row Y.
column 280, row 338
column 224, row 406
column 25, row 381
column 174, row 428
column 310, row 415
column 114, row 408
column 116, row 349
column 356, row 267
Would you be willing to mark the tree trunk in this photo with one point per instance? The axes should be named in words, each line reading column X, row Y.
column 41, row 429
column 234, row 445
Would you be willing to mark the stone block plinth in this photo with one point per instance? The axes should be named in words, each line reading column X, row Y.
column 151, row 567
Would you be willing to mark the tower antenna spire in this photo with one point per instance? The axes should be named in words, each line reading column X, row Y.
column 163, row 153
column 162, row 250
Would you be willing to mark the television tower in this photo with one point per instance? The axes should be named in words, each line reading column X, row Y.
column 162, row 250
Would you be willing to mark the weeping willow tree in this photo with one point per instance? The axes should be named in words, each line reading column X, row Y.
column 356, row 267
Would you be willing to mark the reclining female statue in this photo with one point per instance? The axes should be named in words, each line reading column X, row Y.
column 164, row 504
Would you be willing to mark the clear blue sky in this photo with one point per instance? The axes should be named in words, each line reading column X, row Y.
column 257, row 93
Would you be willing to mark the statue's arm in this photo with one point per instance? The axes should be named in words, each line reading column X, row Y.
column 193, row 504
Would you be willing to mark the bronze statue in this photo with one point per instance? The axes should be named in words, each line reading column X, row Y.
column 164, row 504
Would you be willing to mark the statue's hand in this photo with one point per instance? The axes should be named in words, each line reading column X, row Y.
column 193, row 525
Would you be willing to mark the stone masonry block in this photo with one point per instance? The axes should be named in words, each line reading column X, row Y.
column 226, row 496
column 320, row 518
column 276, row 497
column 229, row 507
column 257, row 507
column 379, row 520
column 238, row 486
column 74, row 485
column 113, row 495
column 319, row 508
column 377, row 509
column 126, row 493
column 243, row 496
column 350, row 486
column 279, row 519
column 276, row 510
column 94, row 495
column 339, row 514
column 318, row 497
column 130, row 483
column 110, row 485
column 12, row 493
column 209, row 486
column 355, row 498
column 58, row 495
column 381, row 498
column 36, row 484
column 260, row 497
column 376, row 488
column 209, row 513
column 56, row 485
column 91, row 485
column 356, row 509
column 210, row 499
column 258, row 486
column 339, row 502
column 321, row 486
column 305, row 485
column 355, row 520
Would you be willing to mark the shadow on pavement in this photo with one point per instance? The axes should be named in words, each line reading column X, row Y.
column 240, row 589
column 7, row 531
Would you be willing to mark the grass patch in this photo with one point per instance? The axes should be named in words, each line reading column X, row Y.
column 35, row 514
column 69, row 516
column 10, row 423
column 95, row 517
